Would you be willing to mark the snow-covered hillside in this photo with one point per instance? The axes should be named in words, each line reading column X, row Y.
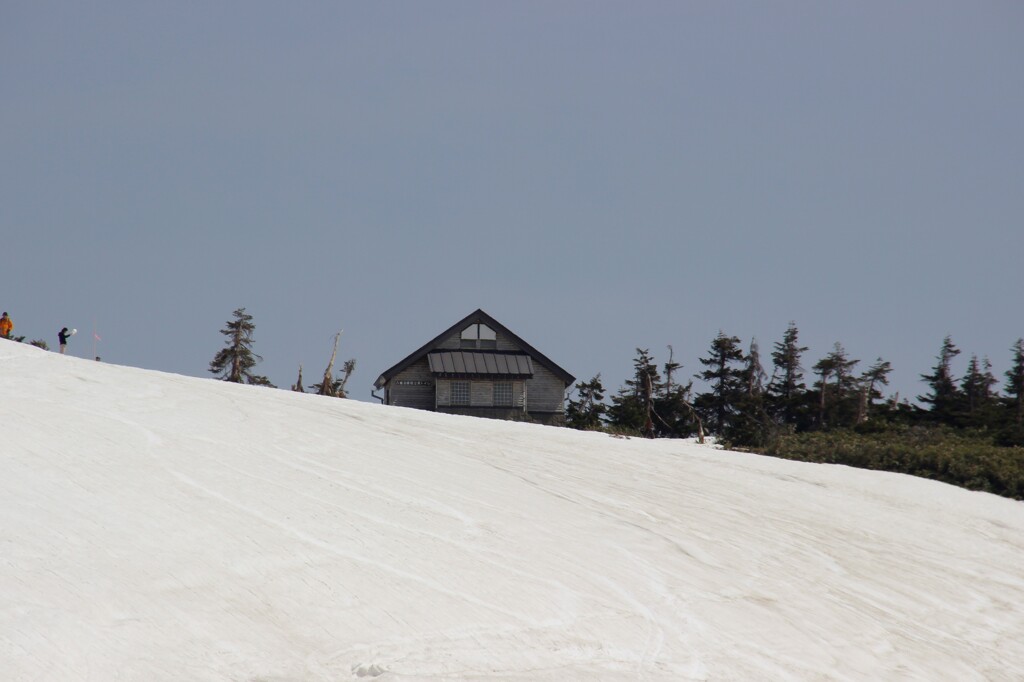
column 158, row 527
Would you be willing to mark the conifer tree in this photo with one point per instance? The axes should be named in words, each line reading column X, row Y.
column 1015, row 392
column 727, row 382
column 632, row 407
column 976, row 392
column 587, row 413
column 876, row 375
column 786, row 389
column 675, row 415
column 347, row 368
column 235, row 362
column 944, row 395
column 988, row 380
column 837, row 367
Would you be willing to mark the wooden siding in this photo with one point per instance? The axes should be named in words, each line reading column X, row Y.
column 444, row 392
column 546, row 391
column 413, row 388
column 481, row 394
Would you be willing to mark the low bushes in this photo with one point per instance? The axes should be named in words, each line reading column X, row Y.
column 967, row 460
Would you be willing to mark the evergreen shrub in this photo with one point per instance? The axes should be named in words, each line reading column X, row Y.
column 968, row 460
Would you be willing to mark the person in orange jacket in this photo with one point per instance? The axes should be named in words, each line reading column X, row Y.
column 6, row 326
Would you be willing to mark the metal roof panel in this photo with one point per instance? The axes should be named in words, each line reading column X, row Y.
column 470, row 363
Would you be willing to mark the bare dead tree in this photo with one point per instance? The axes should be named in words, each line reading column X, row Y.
column 670, row 367
column 330, row 386
column 327, row 384
column 862, row 403
column 298, row 383
column 649, row 391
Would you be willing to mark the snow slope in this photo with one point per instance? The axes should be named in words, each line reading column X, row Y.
column 159, row 527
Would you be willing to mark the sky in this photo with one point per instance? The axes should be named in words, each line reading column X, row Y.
column 598, row 176
column 158, row 527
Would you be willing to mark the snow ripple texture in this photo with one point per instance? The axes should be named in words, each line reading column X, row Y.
column 160, row 527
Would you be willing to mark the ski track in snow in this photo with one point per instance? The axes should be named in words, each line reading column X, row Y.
column 157, row 527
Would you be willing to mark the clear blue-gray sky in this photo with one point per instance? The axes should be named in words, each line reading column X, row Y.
column 598, row 176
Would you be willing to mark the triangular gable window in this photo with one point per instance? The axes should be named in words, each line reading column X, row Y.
column 478, row 336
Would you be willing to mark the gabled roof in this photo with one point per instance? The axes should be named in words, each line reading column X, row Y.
column 477, row 316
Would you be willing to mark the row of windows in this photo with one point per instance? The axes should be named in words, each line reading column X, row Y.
column 501, row 397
